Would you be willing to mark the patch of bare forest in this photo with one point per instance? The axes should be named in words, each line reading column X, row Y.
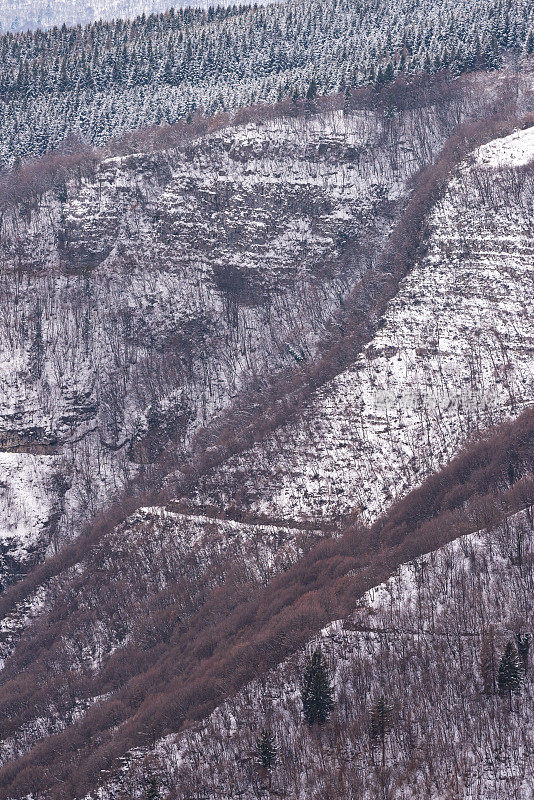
column 149, row 689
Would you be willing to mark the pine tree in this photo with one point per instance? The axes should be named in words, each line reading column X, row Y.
column 266, row 750
column 380, row 724
column 312, row 90
column 389, row 73
column 152, row 792
column 509, row 676
column 316, row 690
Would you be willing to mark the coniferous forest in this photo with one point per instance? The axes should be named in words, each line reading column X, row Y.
column 97, row 81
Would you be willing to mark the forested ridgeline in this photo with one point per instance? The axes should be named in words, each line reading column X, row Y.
column 467, row 96
column 96, row 81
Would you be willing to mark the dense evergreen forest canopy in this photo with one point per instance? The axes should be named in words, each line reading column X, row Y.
column 97, row 81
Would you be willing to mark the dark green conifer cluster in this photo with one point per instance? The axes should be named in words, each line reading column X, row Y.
column 97, row 81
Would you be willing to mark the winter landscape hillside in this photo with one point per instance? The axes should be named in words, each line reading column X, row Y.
column 267, row 403
column 94, row 83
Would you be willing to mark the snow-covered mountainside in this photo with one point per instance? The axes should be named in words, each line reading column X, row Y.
column 96, row 82
column 454, row 354
column 426, row 640
column 139, row 300
column 116, row 600
column 164, row 309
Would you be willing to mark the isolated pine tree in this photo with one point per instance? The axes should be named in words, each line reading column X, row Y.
column 152, row 791
column 316, row 690
column 509, row 676
column 380, row 724
column 266, row 750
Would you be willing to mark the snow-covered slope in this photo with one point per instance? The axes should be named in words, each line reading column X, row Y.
column 454, row 354
column 116, row 598
column 418, row 639
column 138, row 300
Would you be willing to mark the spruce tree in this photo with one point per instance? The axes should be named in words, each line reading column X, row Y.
column 389, row 73
column 266, row 750
column 152, row 792
column 380, row 724
column 509, row 676
column 316, row 690
column 312, row 90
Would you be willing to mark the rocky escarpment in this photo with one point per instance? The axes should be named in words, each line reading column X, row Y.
column 454, row 354
column 137, row 629
column 137, row 302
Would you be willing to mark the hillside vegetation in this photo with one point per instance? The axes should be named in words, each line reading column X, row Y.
column 266, row 404
column 97, row 81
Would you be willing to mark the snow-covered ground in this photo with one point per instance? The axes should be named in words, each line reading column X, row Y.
column 147, row 296
column 455, row 353
column 113, row 597
column 417, row 639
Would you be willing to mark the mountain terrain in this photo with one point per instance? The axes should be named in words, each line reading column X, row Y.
column 267, row 383
column 23, row 15
column 90, row 84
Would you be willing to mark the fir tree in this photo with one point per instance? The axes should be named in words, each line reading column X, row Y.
column 380, row 724
column 152, row 791
column 316, row 690
column 266, row 750
column 509, row 676
column 389, row 73
column 312, row 90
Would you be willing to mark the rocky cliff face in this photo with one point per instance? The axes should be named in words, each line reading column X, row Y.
column 454, row 354
column 137, row 302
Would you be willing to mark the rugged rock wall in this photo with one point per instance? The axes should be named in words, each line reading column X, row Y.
column 454, row 354
column 137, row 302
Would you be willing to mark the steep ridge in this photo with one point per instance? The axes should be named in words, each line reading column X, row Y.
column 173, row 673
column 140, row 299
column 95, row 82
column 134, row 587
column 419, row 639
column 212, row 620
column 454, row 354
